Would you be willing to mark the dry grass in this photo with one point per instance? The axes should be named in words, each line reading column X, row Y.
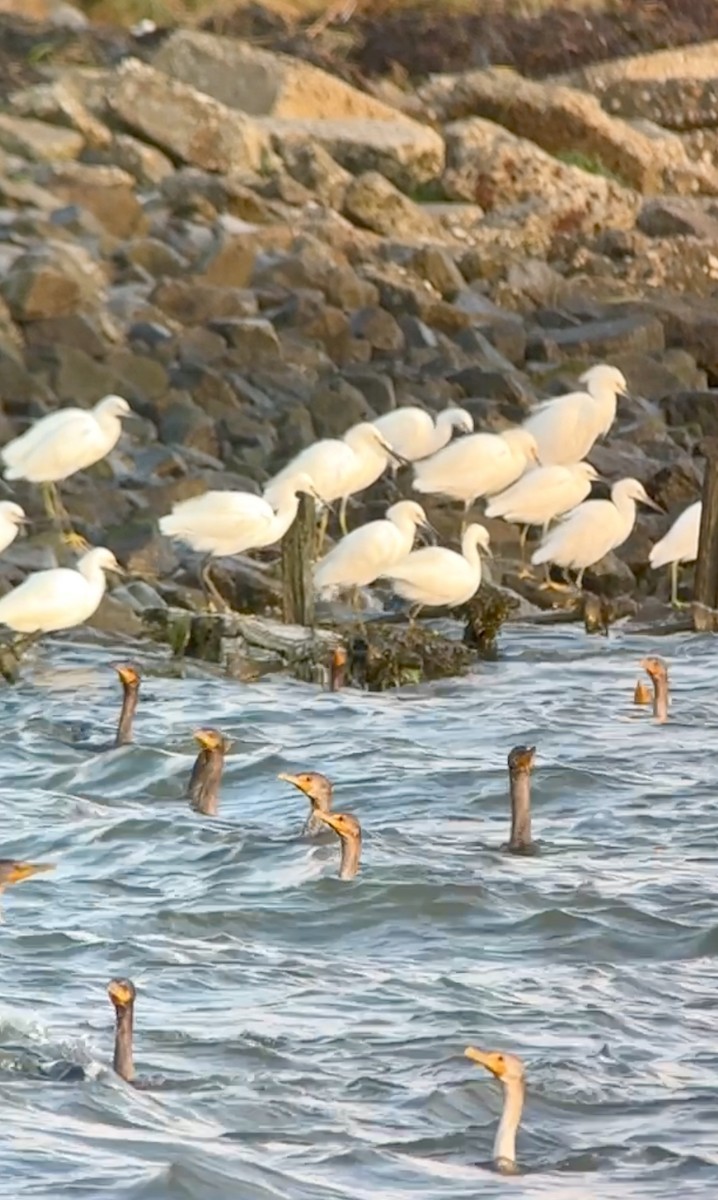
column 172, row 11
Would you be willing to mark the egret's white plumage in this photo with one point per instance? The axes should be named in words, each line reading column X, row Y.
column 543, row 494
column 584, row 535
column 225, row 523
column 566, row 427
column 341, row 467
column 59, row 598
column 333, row 464
column 64, row 442
column 435, row 576
column 12, row 517
column 414, row 434
column 366, row 553
column 679, row 545
column 478, row 465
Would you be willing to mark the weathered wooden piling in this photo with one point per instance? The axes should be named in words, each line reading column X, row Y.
column 298, row 557
column 705, row 593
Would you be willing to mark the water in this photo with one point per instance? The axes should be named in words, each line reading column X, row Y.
column 310, row 1032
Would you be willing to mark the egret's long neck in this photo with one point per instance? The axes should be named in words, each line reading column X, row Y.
column 123, row 1061
column 520, row 783
column 127, row 716
column 110, row 425
column 94, row 575
column 470, row 551
column 351, row 851
column 627, row 511
column 407, row 529
column 285, row 510
column 606, row 403
column 442, row 432
column 505, row 1140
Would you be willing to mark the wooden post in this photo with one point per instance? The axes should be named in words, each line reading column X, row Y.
column 298, row 555
column 705, row 594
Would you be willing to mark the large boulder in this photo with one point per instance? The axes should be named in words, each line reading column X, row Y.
column 261, row 83
column 564, row 121
column 51, row 280
column 186, row 123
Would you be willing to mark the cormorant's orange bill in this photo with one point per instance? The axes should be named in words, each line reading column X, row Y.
column 210, row 739
column 121, row 992
column 128, row 674
column 493, row 1061
column 22, row 870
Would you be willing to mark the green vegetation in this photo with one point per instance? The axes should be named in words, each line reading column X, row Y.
column 588, row 162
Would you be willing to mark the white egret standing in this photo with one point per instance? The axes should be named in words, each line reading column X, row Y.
column 413, row 433
column 435, row 576
column 340, row 467
column 477, row 465
column 365, row 553
column 220, row 524
column 60, row 598
column 541, row 495
column 12, row 517
column 679, row 545
column 62, row 443
column 588, row 532
column 566, row 427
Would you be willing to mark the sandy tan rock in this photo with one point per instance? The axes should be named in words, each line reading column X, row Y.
column 565, row 121
column 59, row 104
column 37, row 140
column 370, row 200
column 262, row 83
column 186, row 123
column 407, row 153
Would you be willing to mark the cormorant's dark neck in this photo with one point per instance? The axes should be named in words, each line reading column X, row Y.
column 127, row 716
column 660, row 697
column 520, row 783
column 205, row 780
column 351, row 851
column 123, row 1061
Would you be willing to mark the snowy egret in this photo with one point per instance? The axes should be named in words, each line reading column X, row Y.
column 60, row 598
column 348, row 830
column 566, row 427
column 340, row 467
column 412, row 432
column 219, row 524
column 480, row 464
column 657, row 672
column 521, row 763
column 61, row 444
column 435, row 576
column 12, row 516
column 509, row 1069
column 130, row 679
column 206, row 776
column 588, row 532
column 319, row 792
column 679, row 545
column 541, row 495
column 365, row 553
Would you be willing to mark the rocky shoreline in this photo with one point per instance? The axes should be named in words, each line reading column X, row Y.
column 257, row 254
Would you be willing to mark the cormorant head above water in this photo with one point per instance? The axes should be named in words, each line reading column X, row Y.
column 319, row 792
column 509, row 1069
column 122, row 993
column 348, row 830
column 657, row 672
column 206, row 774
column 14, row 872
column 521, row 762
column 130, row 679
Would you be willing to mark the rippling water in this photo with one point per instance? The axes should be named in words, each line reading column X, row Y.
column 310, row 1032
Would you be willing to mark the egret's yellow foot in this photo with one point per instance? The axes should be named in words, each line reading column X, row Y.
column 75, row 541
